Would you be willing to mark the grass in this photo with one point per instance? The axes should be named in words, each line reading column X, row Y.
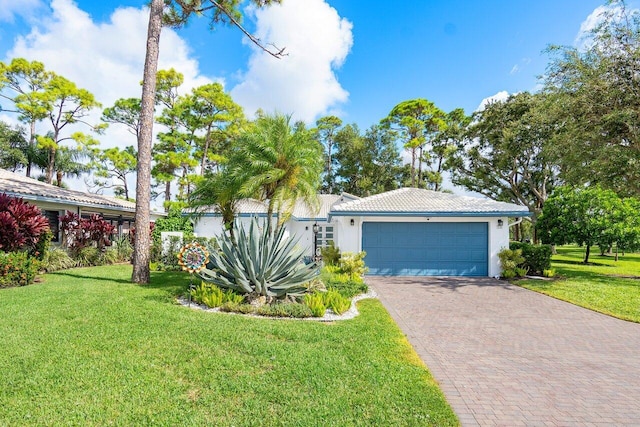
column 603, row 285
column 86, row 347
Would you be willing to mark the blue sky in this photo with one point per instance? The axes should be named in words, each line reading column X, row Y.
column 453, row 52
column 346, row 59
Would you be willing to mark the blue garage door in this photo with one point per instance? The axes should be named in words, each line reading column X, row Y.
column 426, row 249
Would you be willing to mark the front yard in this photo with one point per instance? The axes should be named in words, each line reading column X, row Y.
column 86, row 347
column 604, row 285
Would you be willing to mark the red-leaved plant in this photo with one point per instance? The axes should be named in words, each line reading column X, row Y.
column 21, row 224
column 82, row 232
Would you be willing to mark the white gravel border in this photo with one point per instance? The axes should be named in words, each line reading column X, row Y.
column 329, row 316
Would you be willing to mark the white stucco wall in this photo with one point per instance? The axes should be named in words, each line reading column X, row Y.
column 349, row 237
column 211, row 226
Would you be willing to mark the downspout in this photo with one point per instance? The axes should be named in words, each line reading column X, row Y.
column 518, row 221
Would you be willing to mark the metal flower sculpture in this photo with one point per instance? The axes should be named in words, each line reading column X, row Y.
column 193, row 257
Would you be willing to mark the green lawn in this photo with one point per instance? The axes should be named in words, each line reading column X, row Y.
column 86, row 347
column 601, row 285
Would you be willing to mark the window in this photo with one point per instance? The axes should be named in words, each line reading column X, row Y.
column 324, row 236
column 54, row 224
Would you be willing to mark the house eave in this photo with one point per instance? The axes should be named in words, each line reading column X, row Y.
column 58, row 200
column 445, row 214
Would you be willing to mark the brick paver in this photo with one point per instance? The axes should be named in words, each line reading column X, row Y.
column 506, row 356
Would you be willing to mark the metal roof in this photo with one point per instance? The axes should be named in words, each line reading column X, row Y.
column 31, row 189
column 417, row 201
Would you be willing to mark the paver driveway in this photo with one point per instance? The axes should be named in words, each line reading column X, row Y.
column 507, row 356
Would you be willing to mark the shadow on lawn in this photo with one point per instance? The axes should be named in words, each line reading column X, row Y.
column 570, row 262
column 175, row 283
column 77, row 275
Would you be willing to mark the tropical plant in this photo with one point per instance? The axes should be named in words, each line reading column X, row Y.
column 330, row 254
column 123, row 247
column 315, row 301
column 22, row 225
column 278, row 163
column 17, row 269
column 219, row 191
column 57, row 259
column 259, row 262
column 81, row 232
column 336, row 302
column 510, row 259
column 353, row 264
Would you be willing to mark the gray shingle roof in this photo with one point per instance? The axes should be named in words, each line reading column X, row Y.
column 420, row 201
column 32, row 189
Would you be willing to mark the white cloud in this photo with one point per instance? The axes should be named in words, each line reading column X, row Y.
column 303, row 83
column 498, row 97
column 9, row 9
column 595, row 18
column 105, row 58
column 515, row 69
column 592, row 21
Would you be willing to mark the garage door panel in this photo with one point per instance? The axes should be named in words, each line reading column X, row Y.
column 426, row 249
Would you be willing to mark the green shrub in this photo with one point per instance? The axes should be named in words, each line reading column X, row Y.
column 537, row 258
column 353, row 264
column 168, row 256
column 550, row 272
column 347, row 286
column 521, row 272
column 198, row 292
column 42, row 246
column 57, row 259
column 109, row 256
column 336, row 302
column 232, row 307
column 315, row 301
column 123, row 247
column 330, row 254
column 510, row 259
column 87, row 256
column 17, row 269
column 285, row 309
column 212, row 296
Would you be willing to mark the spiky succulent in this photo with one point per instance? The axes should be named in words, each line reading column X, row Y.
column 259, row 262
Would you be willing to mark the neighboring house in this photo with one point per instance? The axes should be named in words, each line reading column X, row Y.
column 55, row 202
column 407, row 231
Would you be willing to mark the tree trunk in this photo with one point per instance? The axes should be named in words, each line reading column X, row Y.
column 419, row 180
column 587, row 252
column 141, row 273
column 32, row 145
column 413, row 167
column 50, row 166
column 167, row 195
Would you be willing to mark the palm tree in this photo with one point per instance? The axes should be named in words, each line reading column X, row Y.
column 219, row 190
column 277, row 163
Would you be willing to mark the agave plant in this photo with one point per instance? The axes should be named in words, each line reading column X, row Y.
column 259, row 262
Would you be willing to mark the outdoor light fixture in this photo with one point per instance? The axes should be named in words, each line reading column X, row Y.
column 352, row 222
column 316, row 228
column 500, row 223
